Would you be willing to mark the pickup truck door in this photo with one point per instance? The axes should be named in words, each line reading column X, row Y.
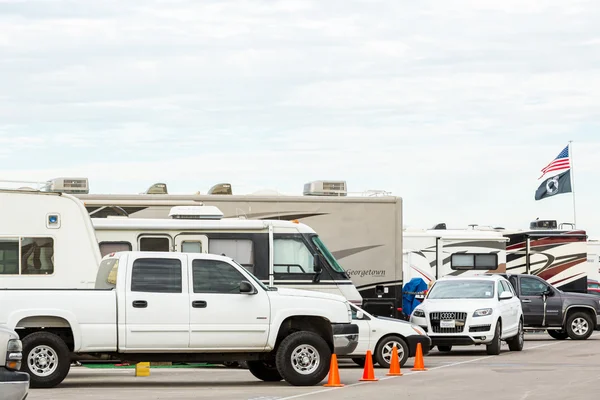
column 530, row 293
column 157, row 306
column 222, row 318
column 554, row 308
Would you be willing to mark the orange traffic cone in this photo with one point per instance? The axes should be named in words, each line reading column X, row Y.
column 334, row 374
column 369, row 372
column 395, row 363
column 419, row 363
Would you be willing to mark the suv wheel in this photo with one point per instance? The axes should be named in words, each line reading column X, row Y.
column 516, row 342
column 579, row 326
column 493, row 349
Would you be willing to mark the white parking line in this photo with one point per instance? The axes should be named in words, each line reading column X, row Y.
column 414, row 372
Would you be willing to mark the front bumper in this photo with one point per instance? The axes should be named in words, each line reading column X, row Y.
column 345, row 338
column 476, row 330
column 413, row 340
column 13, row 385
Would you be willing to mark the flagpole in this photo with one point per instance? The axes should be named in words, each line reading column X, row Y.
column 572, row 182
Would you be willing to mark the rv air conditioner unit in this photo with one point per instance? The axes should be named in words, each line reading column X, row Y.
column 325, row 188
column 68, row 185
column 543, row 224
column 195, row 212
column 157, row 188
column 221, row 188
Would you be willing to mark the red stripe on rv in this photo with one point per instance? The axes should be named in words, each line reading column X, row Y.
column 556, row 270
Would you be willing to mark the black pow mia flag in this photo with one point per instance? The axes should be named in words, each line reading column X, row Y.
column 554, row 185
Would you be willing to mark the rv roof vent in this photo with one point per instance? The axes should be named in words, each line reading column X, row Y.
column 441, row 225
column 195, row 212
column 543, row 224
column 221, row 188
column 326, row 188
column 157, row 188
column 67, row 185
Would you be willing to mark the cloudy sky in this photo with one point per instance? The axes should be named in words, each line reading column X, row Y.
column 455, row 105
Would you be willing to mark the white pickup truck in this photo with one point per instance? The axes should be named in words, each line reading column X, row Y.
column 180, row 307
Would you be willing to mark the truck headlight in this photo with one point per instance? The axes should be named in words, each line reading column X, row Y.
column 418, row 313
column 482, row 312
column 14, row 354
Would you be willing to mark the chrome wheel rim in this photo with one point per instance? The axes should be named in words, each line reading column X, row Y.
column 305, row 359
column 386, row 351
column 579, row 326
column 42, row 360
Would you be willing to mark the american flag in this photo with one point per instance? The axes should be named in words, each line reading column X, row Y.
column 562, row 161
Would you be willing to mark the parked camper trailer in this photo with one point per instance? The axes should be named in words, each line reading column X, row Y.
column 281, row 253
column 593, row 259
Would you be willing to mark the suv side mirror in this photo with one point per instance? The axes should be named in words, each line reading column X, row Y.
column 506, row 295
column 246, row 287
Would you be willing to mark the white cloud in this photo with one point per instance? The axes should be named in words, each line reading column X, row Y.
column 454, row 105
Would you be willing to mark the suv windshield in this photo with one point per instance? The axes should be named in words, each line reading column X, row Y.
column 463, row 289
column 330, row 258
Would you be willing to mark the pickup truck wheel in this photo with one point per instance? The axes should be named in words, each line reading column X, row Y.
column 303, row 358
column 579, row 326
column 383, row 351
column 493, row 349
column 516, row 342
column 46, row 359
column 265, row 371
column 558, row 335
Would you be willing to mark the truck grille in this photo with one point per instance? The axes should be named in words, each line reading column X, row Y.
column 458, row 317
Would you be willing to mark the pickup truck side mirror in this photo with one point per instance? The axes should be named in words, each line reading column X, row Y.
column 246, row 287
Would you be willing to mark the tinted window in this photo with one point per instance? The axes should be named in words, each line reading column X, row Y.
column 155, row 244
column 157, row 275
column 26, row 256
column 114, row 247
column 474, row 261
column 532, row 287
column 462, row 289
column 213, row 276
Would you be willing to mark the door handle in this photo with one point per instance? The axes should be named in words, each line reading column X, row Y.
column 526, row 301
column 199, row 304
column 140, row 304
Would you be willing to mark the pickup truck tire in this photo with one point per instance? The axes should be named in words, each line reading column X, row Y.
column 493, row 349
column 558, row 335
column 46, row 359
column 579, row 326
column 516, row 342
column 303, row 358
column 264, row 370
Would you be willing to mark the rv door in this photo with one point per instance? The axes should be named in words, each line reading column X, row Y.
column 191, row 243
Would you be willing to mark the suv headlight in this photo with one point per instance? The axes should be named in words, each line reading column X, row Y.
column 482, row 312
column 14, row 354
column 418, row 313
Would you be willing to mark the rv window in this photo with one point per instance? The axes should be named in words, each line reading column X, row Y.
column 9, row 256
column 212, row 276
column 37, row 256
column 241, row 250
column 291, row 256
column 155, row 244
column 474, row 261
column 156, row 275
column 114, row 247
column 191, row 247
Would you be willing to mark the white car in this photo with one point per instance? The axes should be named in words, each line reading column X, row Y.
column 380, row 334
column 475, row 310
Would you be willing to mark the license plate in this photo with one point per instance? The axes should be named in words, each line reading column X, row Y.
column 448, row 324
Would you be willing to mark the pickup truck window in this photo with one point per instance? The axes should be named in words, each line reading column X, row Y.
column 27, row 256
column 465, row 289
column 532, row 287
column 156, row 275
column 212, row 276
column 488, row 261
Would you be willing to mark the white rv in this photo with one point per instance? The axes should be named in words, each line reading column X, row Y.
column 42, row 236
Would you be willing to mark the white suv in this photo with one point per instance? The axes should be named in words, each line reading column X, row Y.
column 481, row 309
